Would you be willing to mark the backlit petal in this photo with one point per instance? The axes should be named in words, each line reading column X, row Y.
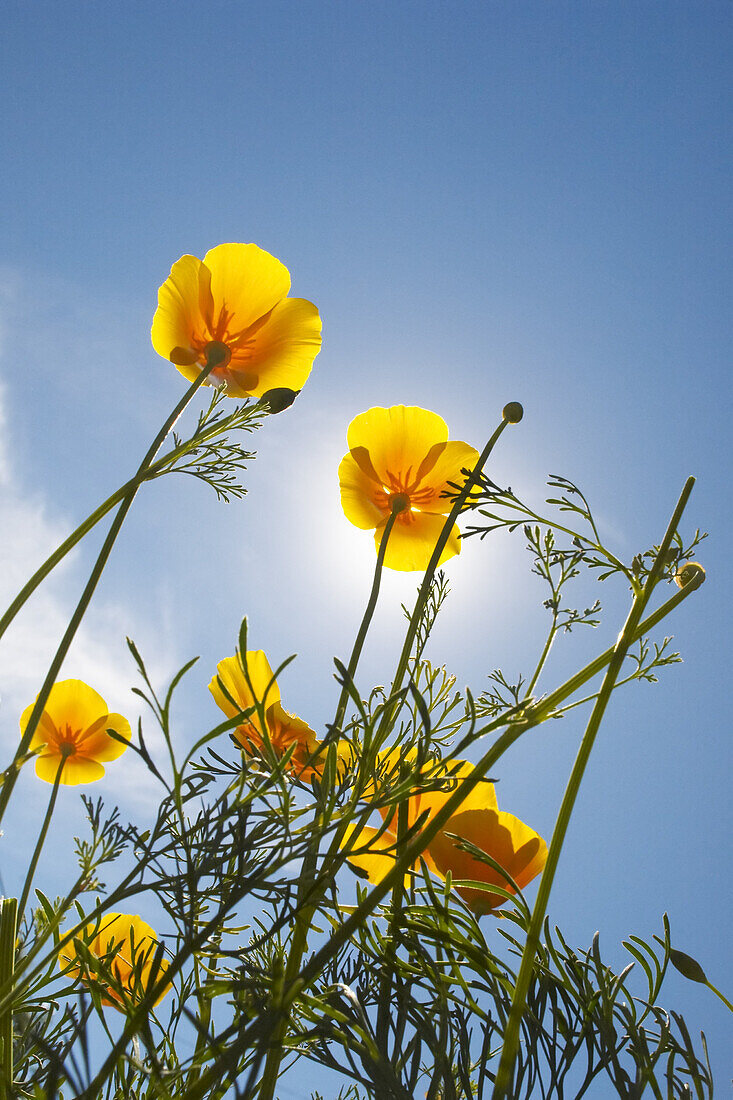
column 262, row 687
column 124, row 947
column 445, row 781
column 357, row 491
column 398, row 439
column 279, row 353
column 379, row 856
column 73, row 703
column 76, row 769
column 45, row 732
column 516, row 847
column 413, row 539
column 96, row 742
column 184, row 300
column 246, row 281
column 453, row 458
column 287, row 729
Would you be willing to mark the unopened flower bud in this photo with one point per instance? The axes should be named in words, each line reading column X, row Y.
column 513, row 412
column 280, row 398
column 688, row 573
column 687, row 966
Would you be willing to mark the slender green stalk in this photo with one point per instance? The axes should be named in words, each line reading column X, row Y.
column 552, row 634
column 368, row 615
column 549, row 704
column 511, row 1034
column 8, row 932
column 41, row 840
column 424, row 590
column 717, row 993
column 58, row 555
column 308, row 894
column 11, row 773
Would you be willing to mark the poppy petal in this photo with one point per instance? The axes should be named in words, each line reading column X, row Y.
column 397, row 439
column 184, row 302
column 74, row 704
column 262, row 686
column 97, row 743
column 279, row 354
column 454, row 457
column 246, row 282
column 77, row 769
column 413, row 539
column 357, row 493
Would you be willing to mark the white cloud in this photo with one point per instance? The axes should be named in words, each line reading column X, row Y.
column 31, row 528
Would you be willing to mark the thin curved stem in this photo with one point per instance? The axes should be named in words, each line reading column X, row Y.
column 365, row 622
column 717, row 993
column 155, row 470
column 552, row 634
column 8, row 934
column 625, row 640
column 424, row 590
column 11, row 773
column 309, row 891
column 41, row 840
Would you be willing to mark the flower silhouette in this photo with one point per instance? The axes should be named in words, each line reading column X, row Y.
column 119, row 958
column 72, row 734
column 400, row 460
column 237, row 297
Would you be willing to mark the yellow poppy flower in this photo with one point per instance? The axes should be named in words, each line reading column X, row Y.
column 232, row 694
column 72, row 732
column 402, row 455
column 512, row 844
column 237, row 296
column 515, row 846
column 123, row 948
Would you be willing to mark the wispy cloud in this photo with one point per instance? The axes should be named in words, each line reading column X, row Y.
column 31, row 527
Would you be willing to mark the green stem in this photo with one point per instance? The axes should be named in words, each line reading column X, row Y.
column 11, row 773
column 424, row 590
column 543, row 657
column 626, row 637
column 154, row 471
column 308, row 895
column 717, row 993
column 8, row 932
column 41, row 840
column 549, row 704
column 366, row 620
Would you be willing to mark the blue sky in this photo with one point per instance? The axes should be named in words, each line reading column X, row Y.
column 487, row 202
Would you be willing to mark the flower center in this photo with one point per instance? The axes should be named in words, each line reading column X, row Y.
column 218, row 353
column 399, row 502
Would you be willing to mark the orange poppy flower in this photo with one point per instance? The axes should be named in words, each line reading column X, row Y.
column 72, row 734
column 123, row 949
column 232, row 693
column 402, row 455
column 237, row 296
column 518, row 849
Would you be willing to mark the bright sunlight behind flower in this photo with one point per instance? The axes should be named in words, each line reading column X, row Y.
column 72, row 734
column 120, row 959
column 237, row 297
column 401, row 457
